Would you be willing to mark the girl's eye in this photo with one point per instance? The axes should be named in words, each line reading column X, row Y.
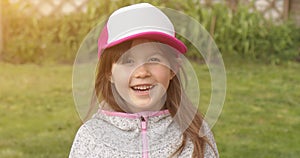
column 128, row 61
column 154, row 59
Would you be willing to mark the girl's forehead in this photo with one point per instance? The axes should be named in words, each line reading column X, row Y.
column 140, row 41
column 144, row 47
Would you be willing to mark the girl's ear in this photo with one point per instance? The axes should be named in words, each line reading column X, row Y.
column 109, row 77
column 176, row 67
column 172, row 74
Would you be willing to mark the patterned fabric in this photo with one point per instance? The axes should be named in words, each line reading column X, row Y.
column 120, row 135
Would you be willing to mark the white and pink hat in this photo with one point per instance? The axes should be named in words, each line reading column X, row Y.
column 138, row 21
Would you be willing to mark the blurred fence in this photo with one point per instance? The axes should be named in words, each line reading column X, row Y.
column 51, row 7
column 278, row 10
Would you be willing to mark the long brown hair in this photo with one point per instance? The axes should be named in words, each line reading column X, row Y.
column 175, row 94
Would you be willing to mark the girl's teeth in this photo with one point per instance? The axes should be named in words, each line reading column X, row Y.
column 142, row 87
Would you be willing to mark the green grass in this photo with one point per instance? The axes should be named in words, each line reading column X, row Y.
column 261, row 115
column 38, row 118
column 260, row 118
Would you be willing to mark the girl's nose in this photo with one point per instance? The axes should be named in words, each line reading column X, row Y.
column 142, row 72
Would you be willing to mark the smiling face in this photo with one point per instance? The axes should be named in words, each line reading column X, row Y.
column 141, row 76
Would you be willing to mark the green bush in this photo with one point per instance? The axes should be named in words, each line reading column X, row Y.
column 33, row 39
column 57, row 38
column 250, row 35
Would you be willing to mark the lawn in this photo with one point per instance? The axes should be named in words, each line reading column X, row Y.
column 260, row 118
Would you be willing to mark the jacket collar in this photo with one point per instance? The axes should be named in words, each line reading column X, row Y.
column 145, row 114
column 131, row 121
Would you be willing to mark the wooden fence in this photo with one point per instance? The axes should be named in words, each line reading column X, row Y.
column 51, row 7
column 275, row 9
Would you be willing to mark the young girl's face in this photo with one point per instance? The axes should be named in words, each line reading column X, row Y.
column 141, row 77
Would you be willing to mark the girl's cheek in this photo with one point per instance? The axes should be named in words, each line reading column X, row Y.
column 162, row 69
column 120, row 73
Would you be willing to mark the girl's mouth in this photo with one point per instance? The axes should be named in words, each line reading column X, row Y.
column 142, row 88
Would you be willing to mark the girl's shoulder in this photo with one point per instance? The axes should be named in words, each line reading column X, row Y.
column 91, row 126
column 205, row 129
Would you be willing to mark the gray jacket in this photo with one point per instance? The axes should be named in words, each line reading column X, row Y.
column 120, row 135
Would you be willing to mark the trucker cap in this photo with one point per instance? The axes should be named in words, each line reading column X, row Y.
column 141, row 20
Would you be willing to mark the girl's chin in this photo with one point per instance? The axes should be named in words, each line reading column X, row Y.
column 146, row 103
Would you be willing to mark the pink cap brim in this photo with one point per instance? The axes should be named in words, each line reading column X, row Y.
column 157, row 36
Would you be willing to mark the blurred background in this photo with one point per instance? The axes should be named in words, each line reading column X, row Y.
column 33, row 31
column 259, row 41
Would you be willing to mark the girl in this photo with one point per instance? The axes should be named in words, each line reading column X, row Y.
column 144, row 110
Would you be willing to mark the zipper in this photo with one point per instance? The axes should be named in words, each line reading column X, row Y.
column 144, row 136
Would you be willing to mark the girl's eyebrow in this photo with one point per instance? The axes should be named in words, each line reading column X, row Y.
column 155, row 54
column 127, row 54
column 157, row 50
column 158, row 54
